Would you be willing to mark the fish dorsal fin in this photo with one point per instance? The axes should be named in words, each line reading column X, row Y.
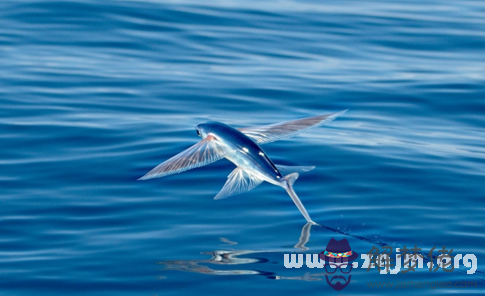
column 238, row 181
column 206, row 151
column 274, row 132
column 286, row 169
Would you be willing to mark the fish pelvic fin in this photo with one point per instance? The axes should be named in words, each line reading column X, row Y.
column 238, row 181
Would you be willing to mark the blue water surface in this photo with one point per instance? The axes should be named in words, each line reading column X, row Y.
column 94, row 94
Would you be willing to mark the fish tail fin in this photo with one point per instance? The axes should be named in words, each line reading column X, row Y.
column 290, row 180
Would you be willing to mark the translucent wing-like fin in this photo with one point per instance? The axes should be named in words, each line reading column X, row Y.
column 206, row 151
column 286, row 169
column 238, row 181
column 270, row 133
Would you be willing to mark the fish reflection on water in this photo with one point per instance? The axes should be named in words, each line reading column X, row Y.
column 228, row 258
column 239, row 257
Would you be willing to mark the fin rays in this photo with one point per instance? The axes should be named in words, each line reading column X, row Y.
column 200, row 154
column 238, row 181
column 270, row 133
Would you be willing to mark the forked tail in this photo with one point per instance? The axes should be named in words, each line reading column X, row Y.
column 290, row 180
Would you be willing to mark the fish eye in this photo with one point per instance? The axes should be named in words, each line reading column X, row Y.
column 198, row 133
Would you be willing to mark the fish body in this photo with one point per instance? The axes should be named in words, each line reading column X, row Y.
column 242, row 151
column 242, row 147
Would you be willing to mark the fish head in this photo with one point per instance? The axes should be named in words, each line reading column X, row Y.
column 205, row 129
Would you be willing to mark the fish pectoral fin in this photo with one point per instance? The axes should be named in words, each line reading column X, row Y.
column 286, row 169
column 238, row 181
column 206, row 151
column 274, row 132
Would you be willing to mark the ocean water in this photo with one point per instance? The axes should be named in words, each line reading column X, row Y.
column 94, row 94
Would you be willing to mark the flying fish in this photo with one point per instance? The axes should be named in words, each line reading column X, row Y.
column 243, row 148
